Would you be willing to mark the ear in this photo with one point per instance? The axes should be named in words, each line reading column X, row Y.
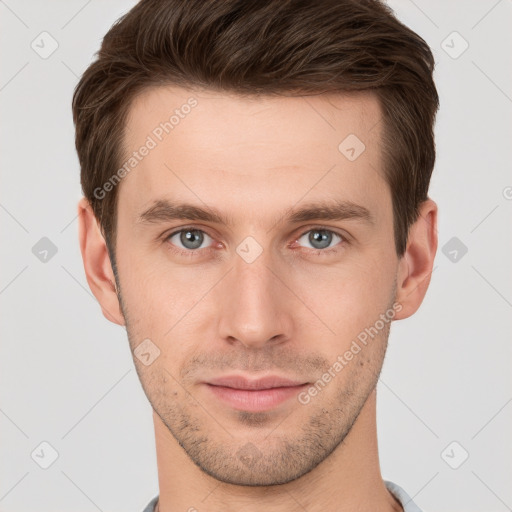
column 415, row 266
column 97, row 266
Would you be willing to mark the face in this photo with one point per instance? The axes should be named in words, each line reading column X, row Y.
column 281, row 263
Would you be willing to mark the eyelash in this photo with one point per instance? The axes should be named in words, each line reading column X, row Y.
column 194, row 252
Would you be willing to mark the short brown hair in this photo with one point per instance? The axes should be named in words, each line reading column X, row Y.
column 262, row 47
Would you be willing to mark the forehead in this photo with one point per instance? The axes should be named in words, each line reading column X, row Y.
column 224, row 148
column 230, row 118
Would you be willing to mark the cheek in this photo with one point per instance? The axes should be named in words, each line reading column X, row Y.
column 163, row 302
column 350, row 297
column 147, row 298
column 144, row 278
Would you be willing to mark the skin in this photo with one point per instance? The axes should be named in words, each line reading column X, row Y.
column 292, row 311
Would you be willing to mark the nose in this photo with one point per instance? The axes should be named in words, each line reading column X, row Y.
column 255, row 306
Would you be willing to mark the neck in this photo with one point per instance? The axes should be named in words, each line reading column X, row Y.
column 349, row 479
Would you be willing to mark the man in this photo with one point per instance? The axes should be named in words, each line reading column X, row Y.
column 256, row 214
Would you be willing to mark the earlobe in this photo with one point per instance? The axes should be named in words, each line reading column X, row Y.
column 415, row 266
column 97, row 265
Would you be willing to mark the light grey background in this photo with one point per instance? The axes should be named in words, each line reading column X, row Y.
column 67, row 377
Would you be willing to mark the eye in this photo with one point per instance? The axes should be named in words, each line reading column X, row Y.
column 320, row 239
column 189, row 238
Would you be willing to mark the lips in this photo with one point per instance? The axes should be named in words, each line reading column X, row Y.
column 269, row 382
column 254, row 394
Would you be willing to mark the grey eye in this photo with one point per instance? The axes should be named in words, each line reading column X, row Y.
column 320, row 238
column 189, row 238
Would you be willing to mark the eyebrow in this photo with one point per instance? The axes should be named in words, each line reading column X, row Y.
column 163, row 210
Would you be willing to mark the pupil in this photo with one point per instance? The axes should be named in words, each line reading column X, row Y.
column 320, row 239
column 187, row 239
